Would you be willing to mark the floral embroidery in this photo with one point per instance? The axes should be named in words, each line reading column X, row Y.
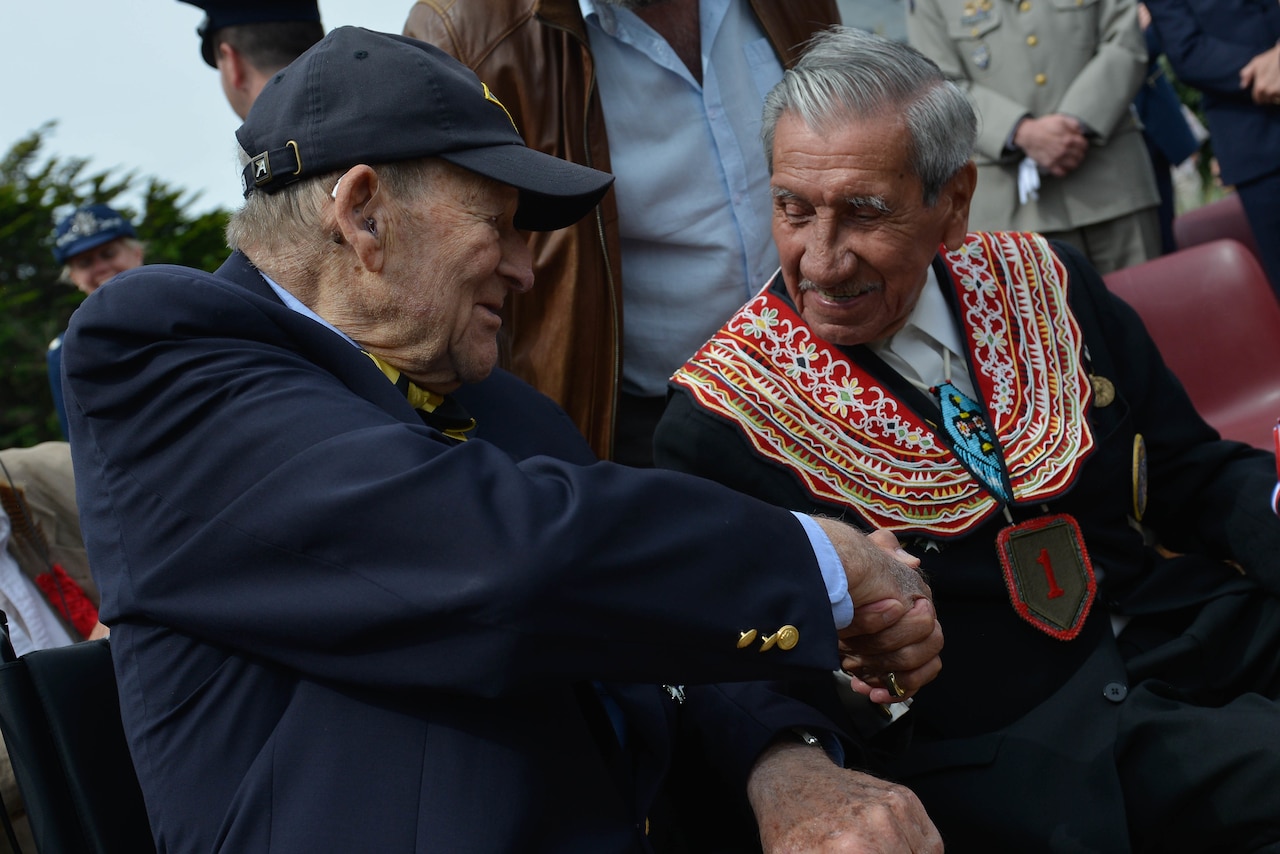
column 802, row 403
column 843, row 396
column 800, row 361
column 759, row 324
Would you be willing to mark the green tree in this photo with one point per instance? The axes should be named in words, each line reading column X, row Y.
column 34, row 304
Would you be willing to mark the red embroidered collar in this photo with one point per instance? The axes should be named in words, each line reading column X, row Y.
column 851, row 441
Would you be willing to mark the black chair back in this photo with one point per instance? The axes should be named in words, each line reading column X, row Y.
column 60, row 716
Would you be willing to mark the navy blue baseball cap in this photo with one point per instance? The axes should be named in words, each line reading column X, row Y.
column 358, row 96
column 88, row 227
column 231, row 13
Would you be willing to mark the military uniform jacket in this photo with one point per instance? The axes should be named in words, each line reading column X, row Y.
column 1015, row 58
column 337, row 630
column 1204, row 498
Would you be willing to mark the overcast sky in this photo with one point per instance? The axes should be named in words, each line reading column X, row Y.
column 126, row 85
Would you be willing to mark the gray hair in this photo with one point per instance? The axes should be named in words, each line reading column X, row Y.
column 295, row 223
column 847, row 74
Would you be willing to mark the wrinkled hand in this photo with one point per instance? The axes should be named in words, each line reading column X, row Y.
column 895, row 628
column 909, row 649
column 874, row 568
column 887, row 542
column 806, row 803
column 1262, row 76
column 1055, row 142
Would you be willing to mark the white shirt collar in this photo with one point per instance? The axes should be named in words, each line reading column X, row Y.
column 906, row 350
column 932, row 315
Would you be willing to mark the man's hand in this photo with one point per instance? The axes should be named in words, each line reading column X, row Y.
column 1262, row 75
column 1055, row 142
column 909, row 649
column 888, row 543
column 806, row 803
column 875, row 566
column 895, row 628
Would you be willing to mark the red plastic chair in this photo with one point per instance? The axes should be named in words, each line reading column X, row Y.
column 1221, row 220
column 1217, row 323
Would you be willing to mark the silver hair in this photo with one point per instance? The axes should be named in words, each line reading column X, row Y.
column 292, row 218
column 847, row 74
column 297, row 220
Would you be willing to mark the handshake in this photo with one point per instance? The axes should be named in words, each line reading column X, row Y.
column 891, row 649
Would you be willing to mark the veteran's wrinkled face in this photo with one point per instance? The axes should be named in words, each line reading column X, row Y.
column 87, row 270
column 452, row 258
column 853, row 232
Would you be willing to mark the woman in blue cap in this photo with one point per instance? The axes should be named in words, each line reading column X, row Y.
column 92, row 243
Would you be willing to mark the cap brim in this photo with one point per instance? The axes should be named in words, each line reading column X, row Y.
column 554, row 193
column 206, row 51
column 84, row 244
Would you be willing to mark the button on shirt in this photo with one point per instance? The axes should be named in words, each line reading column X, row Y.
column 692, row 186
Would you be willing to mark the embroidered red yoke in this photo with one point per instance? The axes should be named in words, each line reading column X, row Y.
column 802, row 403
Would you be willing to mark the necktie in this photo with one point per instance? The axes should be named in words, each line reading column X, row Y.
column 436, row 410
column 972, row 439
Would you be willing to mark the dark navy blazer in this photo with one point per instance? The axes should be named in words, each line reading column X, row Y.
column 1208, row 42
column 336, row 630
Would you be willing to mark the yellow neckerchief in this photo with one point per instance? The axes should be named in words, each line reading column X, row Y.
column 454, row 424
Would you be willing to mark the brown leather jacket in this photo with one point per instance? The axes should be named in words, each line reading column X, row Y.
column 565, row 336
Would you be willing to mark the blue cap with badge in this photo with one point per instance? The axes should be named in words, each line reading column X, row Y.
column 86, row 228
column 232, row 13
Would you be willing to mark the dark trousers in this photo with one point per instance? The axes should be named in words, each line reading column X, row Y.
column 1171, row 746
column 1261, row 200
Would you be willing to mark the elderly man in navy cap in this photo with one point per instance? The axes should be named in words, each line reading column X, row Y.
column 92, row 243
column 369, row 593
column 250, row 41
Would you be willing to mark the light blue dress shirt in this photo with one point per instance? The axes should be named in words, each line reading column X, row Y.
column 692, row 186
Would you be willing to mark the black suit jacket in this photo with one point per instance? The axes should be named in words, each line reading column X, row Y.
column 1015, row 745
column 336, row 629
column 1208, row 501
column 1208, row 42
